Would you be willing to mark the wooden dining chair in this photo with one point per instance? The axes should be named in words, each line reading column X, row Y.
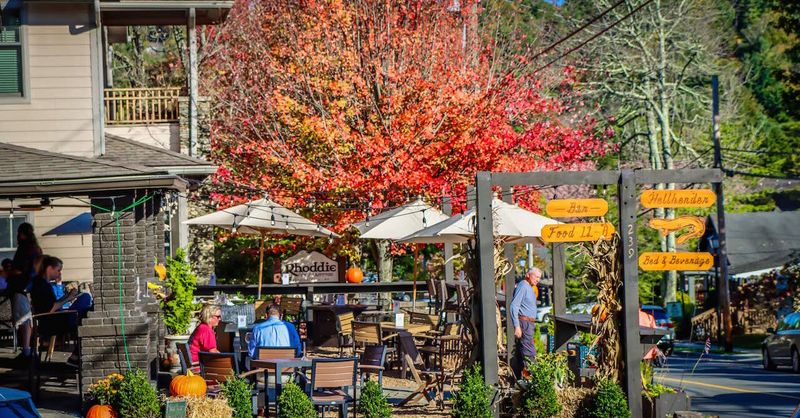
column 372, row 362
column 291, row 307
column 424, row 378
column 433, row 294
column 344, row 328
column 332, row 381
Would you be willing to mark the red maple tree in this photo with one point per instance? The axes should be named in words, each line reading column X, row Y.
column 372, row 101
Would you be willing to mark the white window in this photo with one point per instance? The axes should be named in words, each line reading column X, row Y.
column 8, row 230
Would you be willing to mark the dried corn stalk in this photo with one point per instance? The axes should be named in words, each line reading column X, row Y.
column 604, row 270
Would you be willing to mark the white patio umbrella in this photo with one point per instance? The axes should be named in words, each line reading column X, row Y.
column 399, row 222
column 510, row 221
column 262, row 217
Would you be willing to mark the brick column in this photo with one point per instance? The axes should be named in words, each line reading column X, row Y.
column 100, row 333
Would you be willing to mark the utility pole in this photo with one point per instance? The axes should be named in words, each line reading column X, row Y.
column 723, row 294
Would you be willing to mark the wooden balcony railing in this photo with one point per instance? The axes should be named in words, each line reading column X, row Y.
column 127, row 106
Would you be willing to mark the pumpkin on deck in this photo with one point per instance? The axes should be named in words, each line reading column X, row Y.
column 188, row 385
column 354, row 275
column 101, row 411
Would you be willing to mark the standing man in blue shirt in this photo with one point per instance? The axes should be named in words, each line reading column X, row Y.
column 523, row 318
column 274, row 332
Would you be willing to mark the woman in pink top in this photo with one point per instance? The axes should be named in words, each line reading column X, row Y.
column 203, row 338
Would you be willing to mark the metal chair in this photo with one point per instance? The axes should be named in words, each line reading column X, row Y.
column 372, row 361
column 185, row 357
column 330, row 379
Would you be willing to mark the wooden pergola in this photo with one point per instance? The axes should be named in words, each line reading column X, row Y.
column 633, row 337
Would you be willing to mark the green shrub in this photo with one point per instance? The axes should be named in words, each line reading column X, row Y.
column 537, row 340
column 182, row 283
column 294, row 403
column 473, row 399
column 539, row 398
column 609, row 402
column 237, row 393
column 373, row 403
column 137, row 397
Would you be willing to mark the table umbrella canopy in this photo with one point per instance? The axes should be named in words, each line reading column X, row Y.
column 399, row 222
column 510, row 221
column 262, row 216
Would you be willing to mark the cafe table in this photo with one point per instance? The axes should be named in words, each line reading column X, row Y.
column 278, row 365
column 413, row 329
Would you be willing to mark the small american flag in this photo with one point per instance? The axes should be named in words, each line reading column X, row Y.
column 708, row 345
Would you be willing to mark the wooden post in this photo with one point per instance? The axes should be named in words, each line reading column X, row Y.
column 486, row 291
column 724, row 296
column 631, row 345
column 559, row 298
column 260, row 266
column 191, row 29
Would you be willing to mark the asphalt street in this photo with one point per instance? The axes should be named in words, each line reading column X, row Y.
column 732, row 386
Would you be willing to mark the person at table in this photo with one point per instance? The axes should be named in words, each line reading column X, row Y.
column 274, row 332
column 6, row 271
column 523, row 318
column 44, row 300
column 20, row 275
column 203, row 338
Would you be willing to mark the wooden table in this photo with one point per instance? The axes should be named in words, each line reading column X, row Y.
column 278, row 365
column 413, row 329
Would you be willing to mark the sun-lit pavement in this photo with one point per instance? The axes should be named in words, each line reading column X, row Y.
column 733, row 386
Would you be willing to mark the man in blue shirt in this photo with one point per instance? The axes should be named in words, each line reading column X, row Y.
column 523, row 318
column 274, row 333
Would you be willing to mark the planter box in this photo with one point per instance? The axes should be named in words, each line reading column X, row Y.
column 665, row 405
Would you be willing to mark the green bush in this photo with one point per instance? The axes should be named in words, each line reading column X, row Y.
column 294, row 403
column 182, row 283
column 539, row 399
column 609, row 402
column 373, row 403
column 137, row 397
column 473, row 399
column 537, row 339
column 237, row 393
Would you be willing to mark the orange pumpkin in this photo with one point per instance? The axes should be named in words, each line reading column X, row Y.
column 101, row 411
column 601, row 312
column 354, row 275
column 188, row 385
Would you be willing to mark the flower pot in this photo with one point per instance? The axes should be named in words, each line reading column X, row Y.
column 172, row 361
column 666, row 404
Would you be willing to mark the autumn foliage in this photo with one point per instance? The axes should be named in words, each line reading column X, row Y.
column 378, row 101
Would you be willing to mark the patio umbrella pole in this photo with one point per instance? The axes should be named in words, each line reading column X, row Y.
column 414, row 292
column 260, row 266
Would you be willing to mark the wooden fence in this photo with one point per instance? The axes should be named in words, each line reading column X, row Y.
column 125, row 106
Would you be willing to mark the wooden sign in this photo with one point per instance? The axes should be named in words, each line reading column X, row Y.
column 577, row 232
column 676, row 261
column 568, row 208
column 695, row 224
column 692, row 198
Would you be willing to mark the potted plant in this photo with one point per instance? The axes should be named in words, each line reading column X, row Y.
column 238, row 393
column 105, row 393
column 659, row 400
column 180, row 283
column 373, row 403
column 137, row 397
column 294, row 403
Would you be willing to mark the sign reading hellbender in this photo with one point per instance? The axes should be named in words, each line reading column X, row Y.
column 313, row 267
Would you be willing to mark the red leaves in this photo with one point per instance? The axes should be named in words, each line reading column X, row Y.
column 377, row 98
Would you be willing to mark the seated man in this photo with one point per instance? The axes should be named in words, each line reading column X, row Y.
column 5, row 272
column 274, row 332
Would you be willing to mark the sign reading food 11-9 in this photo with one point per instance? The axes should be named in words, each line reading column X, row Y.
column 577, row 232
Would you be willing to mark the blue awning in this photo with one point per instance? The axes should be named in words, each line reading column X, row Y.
column 81, row 224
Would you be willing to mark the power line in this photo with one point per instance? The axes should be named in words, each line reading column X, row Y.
column 758, row 175
column 593, row 37
column 576, row 31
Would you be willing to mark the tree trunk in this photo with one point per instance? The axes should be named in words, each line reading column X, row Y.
column 384, row 261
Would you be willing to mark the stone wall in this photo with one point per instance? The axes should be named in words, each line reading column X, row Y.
column 141, row 242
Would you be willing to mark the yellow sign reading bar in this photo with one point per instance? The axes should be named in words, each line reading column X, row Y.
column 577, row 232
column 691, row 198
column 568, row 208
column 676, row 261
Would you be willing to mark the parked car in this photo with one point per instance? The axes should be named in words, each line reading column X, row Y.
column 782, row 347
column 543, row 313
column 667, row 342
column 581, row 308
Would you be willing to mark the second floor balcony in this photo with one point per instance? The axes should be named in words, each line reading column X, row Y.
column 137, row 106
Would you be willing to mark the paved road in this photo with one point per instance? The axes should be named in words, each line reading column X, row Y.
column 733, row 386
